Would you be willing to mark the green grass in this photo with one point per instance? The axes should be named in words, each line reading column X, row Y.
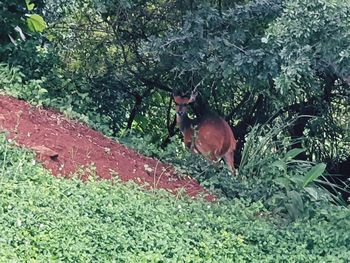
column 48, row 219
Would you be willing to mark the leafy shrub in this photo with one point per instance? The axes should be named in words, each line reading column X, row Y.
column 11, row 81
column 48, row 219
column 314, row 65
column 289, row 184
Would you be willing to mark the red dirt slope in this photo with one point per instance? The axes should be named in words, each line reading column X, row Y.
column 63, row 146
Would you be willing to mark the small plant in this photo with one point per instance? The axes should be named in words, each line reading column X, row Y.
column 268, row 157
column 11, row 81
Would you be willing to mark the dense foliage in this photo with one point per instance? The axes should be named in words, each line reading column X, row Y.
column 21, row 23
column 47, row 219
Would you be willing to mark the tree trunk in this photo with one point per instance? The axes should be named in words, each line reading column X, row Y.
column 170, row 126
column 134, row 111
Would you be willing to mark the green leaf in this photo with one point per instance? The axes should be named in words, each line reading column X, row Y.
column 314, row 173
column 312, row 192
column 36, row 23
column 293, row 153
column 30, row 5
column 280, row 165
column 42, row 91
column 282, row 181
column 297, row 180
column 295, row 207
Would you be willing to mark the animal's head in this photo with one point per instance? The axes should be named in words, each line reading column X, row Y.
column 182, row 102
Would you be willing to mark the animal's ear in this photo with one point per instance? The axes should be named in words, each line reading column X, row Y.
column 193, row 96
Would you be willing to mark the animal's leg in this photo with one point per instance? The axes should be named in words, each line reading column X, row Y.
column 228, row 157
column 213, row 159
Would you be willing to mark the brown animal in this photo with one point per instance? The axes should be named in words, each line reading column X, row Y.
column 209, row 135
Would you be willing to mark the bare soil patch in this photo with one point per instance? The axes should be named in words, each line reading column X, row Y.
column 64, row 146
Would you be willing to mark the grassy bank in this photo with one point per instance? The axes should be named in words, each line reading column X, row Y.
column 47, row 219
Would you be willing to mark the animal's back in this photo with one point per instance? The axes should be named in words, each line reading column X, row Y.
column 215, row 136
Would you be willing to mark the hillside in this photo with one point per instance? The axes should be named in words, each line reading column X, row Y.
column 65, row 146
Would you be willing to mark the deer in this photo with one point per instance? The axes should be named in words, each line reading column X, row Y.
column 209, row 135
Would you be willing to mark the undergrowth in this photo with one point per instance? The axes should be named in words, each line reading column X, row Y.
column 268, row 172
column 48, row 219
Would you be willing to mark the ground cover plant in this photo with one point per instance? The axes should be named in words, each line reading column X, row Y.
column 48, row 219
